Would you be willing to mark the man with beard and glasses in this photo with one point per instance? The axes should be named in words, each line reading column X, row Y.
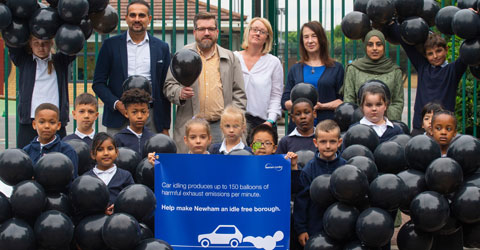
column 220, row 83
column 135, row 52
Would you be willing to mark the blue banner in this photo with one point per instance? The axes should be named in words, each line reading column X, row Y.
column 222, row 201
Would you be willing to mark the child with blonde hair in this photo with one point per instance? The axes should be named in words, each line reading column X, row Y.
column 233, row 124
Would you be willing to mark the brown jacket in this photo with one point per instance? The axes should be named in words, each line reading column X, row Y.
column 233, row 93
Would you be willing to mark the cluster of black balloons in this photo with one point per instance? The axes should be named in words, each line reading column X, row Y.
column 415, row 16
column 70, row 22
column 47, row 209
column 359, row 200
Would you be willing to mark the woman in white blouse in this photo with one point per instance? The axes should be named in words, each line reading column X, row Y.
column 262, row 74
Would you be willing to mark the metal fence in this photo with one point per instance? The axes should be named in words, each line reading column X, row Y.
column 174, row 24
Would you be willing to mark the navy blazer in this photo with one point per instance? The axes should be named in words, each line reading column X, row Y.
column 120, row 180
column 125, row 138
column 27, row 69
column 112, row 69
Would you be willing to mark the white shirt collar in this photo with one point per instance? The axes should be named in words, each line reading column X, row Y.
column 145, row 39
column 82, row 135
column 223, row 147
column 296, row 133
column 379, row 129
column 443, row 65
column 43, row 145
column 46, row 59
column 107, row 175
column 369, row 123
column 138, row 135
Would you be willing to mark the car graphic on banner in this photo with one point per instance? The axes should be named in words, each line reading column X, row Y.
column 222, row 235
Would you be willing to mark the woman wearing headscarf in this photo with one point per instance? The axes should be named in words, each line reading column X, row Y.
column 375, row 66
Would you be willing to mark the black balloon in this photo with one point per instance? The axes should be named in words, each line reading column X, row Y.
column 89, row 195
column 443, row 19
column 410, row 238
column 464, row 150
column 321, row 241
column 186, row 66
column 429, row 211
column 127, row 159
column 153, row 244
column 403, row 126
column 145, row 174
column 444, row 175
column 97, row 5
column 53, row 230
column 408, row 8
column 85, row 161
column 414, row 181
column 88, row 232
column 475, row 70
column 69, row 39
column 304, row 156
column 387, row 191
column 414, row 30
column 465, row 24
column 121, row 231
column 5, row 208
column 28, row 200
column 320, row 191
column 72, row 11
column 159, row 143
column 15, row 166
column 59, row 202
column 374, row 227
column 471, row 235
column 363, row 135
column 465, row 4
column 44, row 23
column 137, row 81
column 16, row 234
column 377, row 83
column 360, row 5
column 53, row 3
column 355, row 25
column 473, row 179
column 429, row 12
column 5, row 16
column 390, row 158
column 137, row 200
column 420, row 151
column 54, row 171
column 466, row 204
column 357, row 150
column 347, row 114
column 339, row 221
column 380, row 11
column 104, row 21
column 22, row 8
column 401, row 139
column 145, row 232
column 355, row 245
column 304, row 90
column 366, row 165
column 87, row 27
column 17, row 34
column 348, row 184
column 452, row 226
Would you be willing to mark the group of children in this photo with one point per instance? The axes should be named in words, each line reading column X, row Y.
column 325, row 140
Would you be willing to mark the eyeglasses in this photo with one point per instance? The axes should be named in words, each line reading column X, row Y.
column 258, row 144
column 203, row 29
column 257, row 30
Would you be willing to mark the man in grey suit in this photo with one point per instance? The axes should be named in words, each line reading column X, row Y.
column 220, row 83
